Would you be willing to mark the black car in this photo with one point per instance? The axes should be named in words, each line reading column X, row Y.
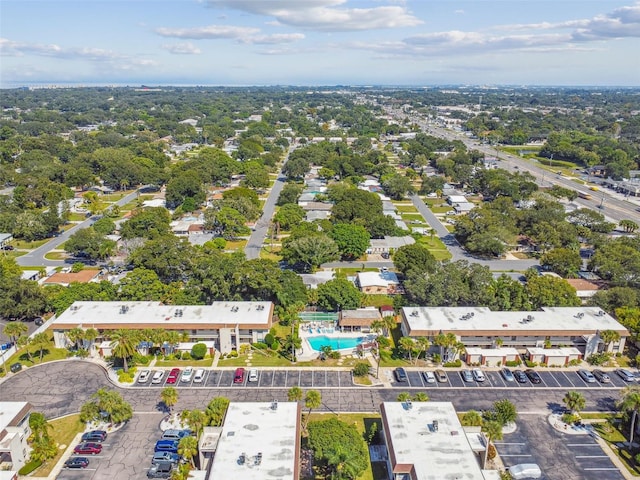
column 95, row 436
column 533, row 376
column 16, row 367
column 8, row 247
column 401, row 374
column 160, row 470
column 520, row 376
column 77, row 462
column 39, row 321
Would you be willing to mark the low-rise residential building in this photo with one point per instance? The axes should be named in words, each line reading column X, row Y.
column 584, row 288
column 65, row 279
column 14, row 433
column 226, row 324
column 425, row 440
column 389, row 244
column 359, row 319
column 259, row 441
column 5, row 238
column 383, row 283
column 550, row 327
column 553, row 357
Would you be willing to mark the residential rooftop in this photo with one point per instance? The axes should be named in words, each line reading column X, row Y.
column 12, row 414
column 259, row 441
column 430, row 321
column 427, row 438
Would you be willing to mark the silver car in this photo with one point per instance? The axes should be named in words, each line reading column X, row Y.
column 586, row 375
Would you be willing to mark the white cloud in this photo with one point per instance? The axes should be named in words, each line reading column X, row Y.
column 186, row 48
column 208, row 32
column 275, row 39
column 324, row 15
column 459, row 12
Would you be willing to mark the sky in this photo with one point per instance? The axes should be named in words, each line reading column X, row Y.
column 319, row 42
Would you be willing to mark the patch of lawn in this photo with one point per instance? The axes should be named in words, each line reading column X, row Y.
column 441, row 255
column 377, row 300
column 77, row 217
column 362, row 380
column 442, row 209
column 63, row 432
column 235, row 244
column 432, row 242
column 13, row 253
column 434, row 202
column 412, row 216
column 271, row 255
column 205, row 362
column 22, row 245
column 50, row 353
column 406, row 208
column 56, row 256
column 623, row 361
column 609, row 431
column 344, row 272
column 520, row 255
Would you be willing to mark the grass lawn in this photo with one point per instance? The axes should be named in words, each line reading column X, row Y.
column 343, row 272
column 235, row 244
column 362, row 422
column 77, row 217
column 64, row 430
column 362, row 380
column 406, row 208
column 610, row 432
column 22, row 245
column 412, row 216
column 377, row 300
column 443, row 209
column 205, row 362
column 434, row 202
column 271, row 255
column 50, row 353
column 441, row 255
column 56, row 256
column 13, row 253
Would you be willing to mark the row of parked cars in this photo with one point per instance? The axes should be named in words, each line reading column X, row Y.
column 165, row 453
column 187, row 375
column 91, row 444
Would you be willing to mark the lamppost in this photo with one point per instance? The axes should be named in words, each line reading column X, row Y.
column 601, row 206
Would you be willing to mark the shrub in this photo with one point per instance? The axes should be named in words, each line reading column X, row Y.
column 275, row 345
column 574, row 363
column 570, row 418
column 260, row 345
column 530, row 364
column 383, row 342
column 245, row 348
column 455, row 364
column 269, row 339
column 232, row 354
column 513, row 363
column 140, row 359
column 185, row 356
column 334, row 354
column 492, row 452
column 599, row 358
column 361, row 369
column 198, row 351
column 29, row 467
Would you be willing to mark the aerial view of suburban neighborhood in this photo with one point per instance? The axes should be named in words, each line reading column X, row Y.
column 324, row 239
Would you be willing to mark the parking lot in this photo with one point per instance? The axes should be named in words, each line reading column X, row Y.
column 560, row 456
column 266, row 379
column 126, row 453
column 550, row 379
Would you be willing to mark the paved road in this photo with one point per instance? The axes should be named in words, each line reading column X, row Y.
column 254, row 245
column 458, row 252
column 36, row 258
column 59, row 388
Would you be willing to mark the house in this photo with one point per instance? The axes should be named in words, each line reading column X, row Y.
column 226, row 324
column 389, row 244
column 312, row 280
column 463, row 208
column 480, row 327
column 5, row 238
column 425, row 440
column 382, row 283
column 258, row 441
column 584, row 288
column 453, row 199
column 14, row 433
column 387, row 311
column 359, row 319
column 66, row 279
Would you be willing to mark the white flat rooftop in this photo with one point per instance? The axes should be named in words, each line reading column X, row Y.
column 434, row 453
column 9, row 412
column 255, row 430
column 422, row 320
column 155, row 313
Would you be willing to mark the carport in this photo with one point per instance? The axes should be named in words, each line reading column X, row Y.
column 490, row 357
column 553, row 357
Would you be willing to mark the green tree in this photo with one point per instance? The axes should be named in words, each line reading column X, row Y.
column 123, row 345
column 420, row 397
column 188, row 448
column 187, row 184
column 169, row 396
column 196, row 419
column 493, row 431
column 397, row 186
column 198, row 351
column 564, row 261
column 311, row 251
column 255, row 176
column 89, row 243
column 338, row 294
column 312, row 400
column 471, row 418
column 294, row 394
column 505, row 411
column 289, row 215
column 414, row 257
column 289, row 194
column 629, row 226
column 13, row 330
column 149, row 222
column 546, row 291
column 403, row 397
column 41, row 341
column 574, row 401
column 216, row 410
column 226, row 222
column 109, row 403
column 609, row 337
column 630, row 403
column 352, row 240
column 408, row 346
column 142, row 285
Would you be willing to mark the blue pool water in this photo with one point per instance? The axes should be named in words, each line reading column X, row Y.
column 336, row 343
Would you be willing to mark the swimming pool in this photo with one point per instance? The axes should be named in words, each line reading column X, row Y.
column 336, row 343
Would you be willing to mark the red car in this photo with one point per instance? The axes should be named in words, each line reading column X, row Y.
column 88, row 449
column 173, row 376
column 239, row 376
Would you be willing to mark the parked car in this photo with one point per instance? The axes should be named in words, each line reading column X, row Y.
column 520, row 376
column 144, row 376
column 533, row 376
column 88, row 449
column 507, row 375
column 400, row 374
column 253, row 375
column 173, row 376
column 15, row 367
column 175, row 434
column 187, row 374
column 166, row 446
column 601, row 376
column 586, row 375
column 238, row 377
column 525, row 470
column 198, row 377
column 165, row 457
column 478, row 376
column 39, row 321
column 160, row 470
column 94, row 436
column 8, row 247
column 429, row 377
column 466, row 375
column 626, row 375
column 441, row 376
column 77, row 462
column 157, row 377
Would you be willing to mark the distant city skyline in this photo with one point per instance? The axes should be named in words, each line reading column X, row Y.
column 319, row 42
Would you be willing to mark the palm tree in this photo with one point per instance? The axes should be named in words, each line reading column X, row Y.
column 169, row 396
column 421, row 397
column 608, row 337
column 188, row 448
column 75, row 335
column 196, row 420
column 493, row 431
column 312, row 400
column 630, row 402
column 423, row 345
column 13, row 330
column 629, row 225
column 471, row 419
column 574, row 401
column 90, row 335
column 25, row 341
column 404, row 396
column 124, row 343
column 39, row 425
column 41, row 342
column 377, row 326
column 294, row 394
column 441, row 341
column 172, row 338
column 498, row 342
column 407, row 344
column 389, row 324
column 292, row 343
column 342, row 461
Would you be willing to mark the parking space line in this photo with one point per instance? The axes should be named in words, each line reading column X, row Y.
column 219, row 378
column 551, row 374
column 516, row 455
column 299, row 377
column 583, row 445
column 595, row 469
column 567, row 377
column 592, row 456
column 325, row 378
column 507, row 443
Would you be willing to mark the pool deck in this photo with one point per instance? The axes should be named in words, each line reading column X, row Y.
column 309, row 353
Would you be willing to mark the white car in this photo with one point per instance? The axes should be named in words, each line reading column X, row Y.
column 253, row 375
column 478, row 376
column 429, row 377
column 158, row 376
column 198, row 377
column 525, row 470
column 144, row 376
column 187, row 374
